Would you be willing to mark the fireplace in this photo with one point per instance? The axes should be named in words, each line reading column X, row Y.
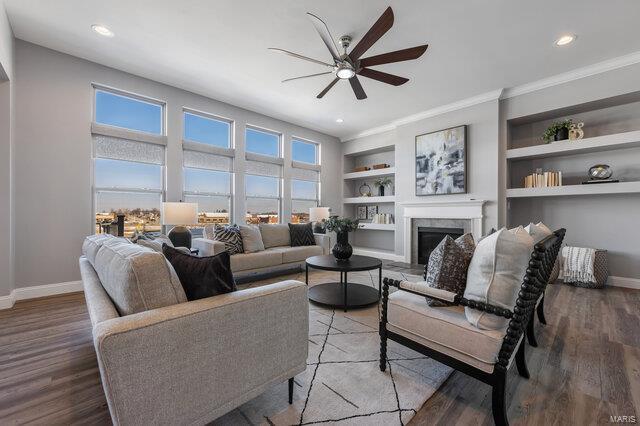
column 430, row 237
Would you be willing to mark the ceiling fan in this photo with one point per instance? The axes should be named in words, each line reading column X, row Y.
column 347, row 66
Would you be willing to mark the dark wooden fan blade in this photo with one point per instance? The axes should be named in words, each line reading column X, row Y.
column 397, row 56
column 383, row 76
column 382, row 25
column 326, row 89
column 357, row 88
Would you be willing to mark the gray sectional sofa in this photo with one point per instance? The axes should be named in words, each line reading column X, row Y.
column 164, row 360
column 277, row 256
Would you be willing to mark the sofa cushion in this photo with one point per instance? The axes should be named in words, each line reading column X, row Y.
column 92, row 244
column 155, row 244
column 301, row 234
column 230, row 236
column 297, row 254
column 444, row 329
column 275, row 235
column 202, row 276
column 538, row 231
column 448, row 265
column 136, row 278
column 261, row 259
column 251, row 238
column 496, row 273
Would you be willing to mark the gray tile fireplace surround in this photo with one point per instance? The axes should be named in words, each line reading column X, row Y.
column 465, row 224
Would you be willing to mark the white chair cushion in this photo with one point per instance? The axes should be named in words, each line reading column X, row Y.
column 495, row 274
column 444, row 329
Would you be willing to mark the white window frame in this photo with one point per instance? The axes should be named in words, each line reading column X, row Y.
column 307, row 141
column 132, row 135
column 208, row 116
column 267, row 131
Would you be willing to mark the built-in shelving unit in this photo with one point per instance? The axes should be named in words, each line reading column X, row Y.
column 570, row 190
column 370, row 200
column 582, row 146
column 378, row 226
column 389, row 171
column 371, row 239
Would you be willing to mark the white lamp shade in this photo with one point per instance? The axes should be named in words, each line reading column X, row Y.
column 179, row 213
column 318, row 214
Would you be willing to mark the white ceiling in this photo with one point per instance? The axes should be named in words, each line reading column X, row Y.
column 219, row 48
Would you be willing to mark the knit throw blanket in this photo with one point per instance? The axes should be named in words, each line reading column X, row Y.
column 577, row 264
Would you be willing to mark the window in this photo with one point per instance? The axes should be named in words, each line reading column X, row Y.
column 262, row 142
column 263, row 198
column 129, row 112
column 208, row 169
column 304, row 195
column 207, row 130
column 128, row 167
column 304, row 152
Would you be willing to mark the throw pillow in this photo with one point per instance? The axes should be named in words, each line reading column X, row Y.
column 538, row 231
column 155, row 244
column 251, row 239
column 202, row 276
column 275, row 235
column 230, row 236
column 495, row 274
column 301, row 235
column 448, row 264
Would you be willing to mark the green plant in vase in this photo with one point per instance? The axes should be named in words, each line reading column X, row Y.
column 381, row 183
column 342, row 250
column 558, row 131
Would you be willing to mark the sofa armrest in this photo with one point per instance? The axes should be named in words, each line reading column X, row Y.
column 324, row 241
column 207, row 247
column 423, row 288
column 192, row 362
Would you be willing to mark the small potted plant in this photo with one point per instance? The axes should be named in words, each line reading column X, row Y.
column 558, row 131
column 381, row 183
column 342, row 250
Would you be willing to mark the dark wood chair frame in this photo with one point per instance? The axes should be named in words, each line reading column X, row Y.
column 535, row 280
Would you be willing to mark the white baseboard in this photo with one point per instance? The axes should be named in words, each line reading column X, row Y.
column 625, row 282
column 37, row 291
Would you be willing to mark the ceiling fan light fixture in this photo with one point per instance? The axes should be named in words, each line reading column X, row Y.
column 345, row 72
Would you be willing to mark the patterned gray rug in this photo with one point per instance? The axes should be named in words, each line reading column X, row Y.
column 343, row 383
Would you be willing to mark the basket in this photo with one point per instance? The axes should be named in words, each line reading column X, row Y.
column 600, row 271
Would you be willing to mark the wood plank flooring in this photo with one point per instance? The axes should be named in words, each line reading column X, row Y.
column 586, row 368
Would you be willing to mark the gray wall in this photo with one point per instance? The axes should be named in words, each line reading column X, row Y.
column 6, row 155
column 482, row 162
column 53, row 155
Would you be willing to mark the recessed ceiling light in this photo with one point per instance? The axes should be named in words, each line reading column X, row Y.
column 565, row 39
column 339, row 120
column 102, row 30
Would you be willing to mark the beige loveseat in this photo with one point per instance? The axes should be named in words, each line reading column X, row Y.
column 164, row 360
column 277, row 256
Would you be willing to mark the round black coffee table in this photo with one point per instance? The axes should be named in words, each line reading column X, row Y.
column 344, row 294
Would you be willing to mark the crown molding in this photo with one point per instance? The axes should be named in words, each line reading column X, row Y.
column 494, row 95
column 566, row 77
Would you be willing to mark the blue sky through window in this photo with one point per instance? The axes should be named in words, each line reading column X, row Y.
column 129, row 113
column 262, row 186
column 303, row 189
column 127, row 174
column 207, row 130
column 262, row 143
column 304, row 152
column 207, row 181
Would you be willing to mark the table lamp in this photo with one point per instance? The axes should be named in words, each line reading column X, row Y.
column 179, row 215
column 318, row 215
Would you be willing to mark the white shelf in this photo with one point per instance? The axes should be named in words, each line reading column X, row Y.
column 569, row 190
column 370, row 200
column 378, row 226
column 378, row 253
column 389, row 171
column 595, row 144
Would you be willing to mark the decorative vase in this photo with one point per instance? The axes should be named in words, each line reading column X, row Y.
column 561, row 134
column 342, row 250
column 381, row 191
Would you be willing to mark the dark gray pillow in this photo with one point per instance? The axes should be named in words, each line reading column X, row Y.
column 448, row 264
column 301, row 235
column 201, row 276
column 230, row 236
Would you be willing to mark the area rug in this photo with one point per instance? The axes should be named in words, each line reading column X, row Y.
column 343, row 383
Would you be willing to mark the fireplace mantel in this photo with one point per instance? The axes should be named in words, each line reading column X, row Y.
column 461, row 209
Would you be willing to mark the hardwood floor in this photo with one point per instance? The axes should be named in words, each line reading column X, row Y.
column 586, row 368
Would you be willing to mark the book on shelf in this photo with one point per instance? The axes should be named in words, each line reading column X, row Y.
column 543, row 179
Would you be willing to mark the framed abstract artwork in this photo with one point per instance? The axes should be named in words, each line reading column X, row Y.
column 361, row 212
column 441, row 162
column 371, row 211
